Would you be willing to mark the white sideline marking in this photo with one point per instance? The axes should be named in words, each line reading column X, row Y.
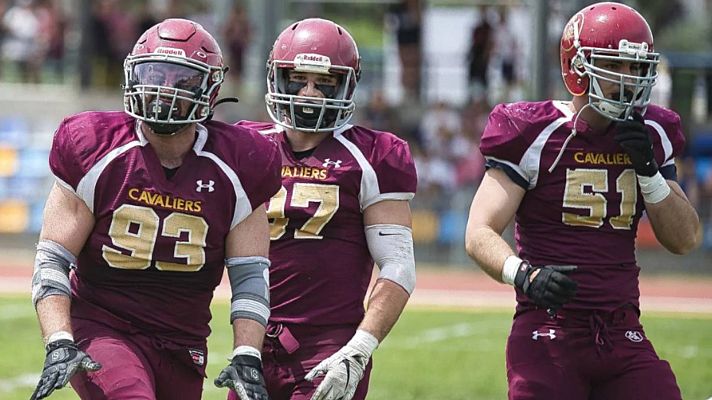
column 26, row 380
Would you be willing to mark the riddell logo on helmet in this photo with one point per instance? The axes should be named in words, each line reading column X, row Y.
column 170, row 51
column 312, row 62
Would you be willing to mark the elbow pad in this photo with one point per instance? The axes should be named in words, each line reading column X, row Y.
column 51, row 273
column 249, row 281
column 391, row 247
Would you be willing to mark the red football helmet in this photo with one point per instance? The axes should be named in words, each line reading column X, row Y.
column 605, row 32
column 173, row 62
column 318, row 46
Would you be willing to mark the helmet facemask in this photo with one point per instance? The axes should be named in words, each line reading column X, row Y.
column 305, row 113
column 169, row 92
column 634, row 90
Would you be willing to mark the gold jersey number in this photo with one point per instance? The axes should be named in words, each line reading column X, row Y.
column 135, row 229
column 594, row 202
column 302, row 195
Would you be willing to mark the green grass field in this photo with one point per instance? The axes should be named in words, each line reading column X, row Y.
column 431, row 354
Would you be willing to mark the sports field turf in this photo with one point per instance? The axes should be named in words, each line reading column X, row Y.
column 437, row 354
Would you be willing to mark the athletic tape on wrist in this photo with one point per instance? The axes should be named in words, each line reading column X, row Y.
column 364, row 341
column 653, row 188
column 510, row 268
column 245, row 351
column 59, row 335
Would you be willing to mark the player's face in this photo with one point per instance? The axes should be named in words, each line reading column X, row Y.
column 310, row 84
column 171, row 81
column 611, row 88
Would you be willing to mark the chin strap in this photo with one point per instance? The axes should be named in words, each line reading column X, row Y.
column 568, row 139
column 233, row 99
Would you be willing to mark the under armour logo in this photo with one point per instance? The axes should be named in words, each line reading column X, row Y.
column 254, row 374
column 328, row 162
column 634, row 336
column 210, row 185
column 536, row 335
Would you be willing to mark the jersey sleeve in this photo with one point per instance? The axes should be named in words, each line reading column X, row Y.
column 395, row 173
column 670, row 142
column 265, row 164
column 63, row 160
column 503, row 145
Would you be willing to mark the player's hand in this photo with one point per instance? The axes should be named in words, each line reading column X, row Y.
column 548, row 286
column 63, row 360
column 344, row 369
column 244, row 376
column 632, row 135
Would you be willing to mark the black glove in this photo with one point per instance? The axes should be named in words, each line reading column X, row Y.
column 244, row 376
column 550, row 288
column 63, row 360
column 632, row 135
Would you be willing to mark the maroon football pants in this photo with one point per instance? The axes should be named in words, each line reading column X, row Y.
column 137, row 367
column 587, row 355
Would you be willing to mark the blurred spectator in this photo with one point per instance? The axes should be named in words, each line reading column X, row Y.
column 145, row 17
column 437, row 117
column 474, row 117
column 236, row 33
column 408, row 18
column 22, row 42
column 378, row 114
column 201, row 12
column 3, row 29
column 504, row 50
column 470, row 168
column 112, row 33
column 480, row 53
column 436, row 179
column 53, row 27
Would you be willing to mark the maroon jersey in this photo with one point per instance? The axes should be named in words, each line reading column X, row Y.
column 586, row 210
column 321, row 265
column 157, row 249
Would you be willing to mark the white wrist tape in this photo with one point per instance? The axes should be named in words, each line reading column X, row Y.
column 59, row 335
column 510, row 268
column 245, row 350
column 653, row 188
column 364, row 342
column 391, row 247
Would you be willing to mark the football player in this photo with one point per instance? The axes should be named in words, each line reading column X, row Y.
column 149, row 207
column 343, row 205
column 577, row 176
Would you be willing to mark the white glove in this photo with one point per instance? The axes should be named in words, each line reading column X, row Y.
column 344, row 369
